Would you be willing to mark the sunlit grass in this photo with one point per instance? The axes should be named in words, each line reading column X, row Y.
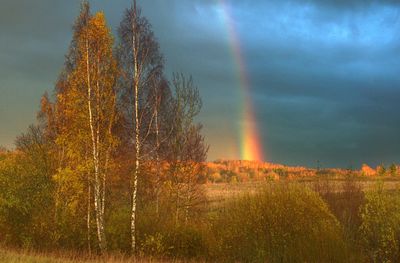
column 16, row 256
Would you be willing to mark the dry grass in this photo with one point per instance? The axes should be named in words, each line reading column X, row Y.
column 219, row 192
column 17, row 256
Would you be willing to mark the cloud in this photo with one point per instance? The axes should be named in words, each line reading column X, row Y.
column 324, row 74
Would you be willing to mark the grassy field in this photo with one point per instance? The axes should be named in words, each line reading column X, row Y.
column 14, row 256
column 31, row 257
column 220, row 192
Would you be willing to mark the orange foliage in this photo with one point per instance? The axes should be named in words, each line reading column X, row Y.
column 367, row 171
column 244, row 171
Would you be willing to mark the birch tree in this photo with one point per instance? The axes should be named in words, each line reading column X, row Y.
column 54, row 120
column 163, row 107
column 140, row 63
column 90, row 110
column 187, row 149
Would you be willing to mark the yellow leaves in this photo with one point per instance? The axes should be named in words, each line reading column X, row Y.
column 70, row 188
column 88, row 97
column 96, row 65
column 98, row 35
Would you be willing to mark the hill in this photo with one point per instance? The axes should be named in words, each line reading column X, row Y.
column 226, row 171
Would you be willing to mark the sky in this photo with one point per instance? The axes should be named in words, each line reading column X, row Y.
column 324, row 76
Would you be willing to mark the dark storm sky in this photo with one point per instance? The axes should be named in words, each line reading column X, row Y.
column 325, row 74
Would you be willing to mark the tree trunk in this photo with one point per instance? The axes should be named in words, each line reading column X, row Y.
column 158, row 179
column 88, row 216
column 95, row 142
column 177, row 207
column 137, row 132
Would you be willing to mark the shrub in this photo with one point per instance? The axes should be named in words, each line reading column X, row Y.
column 283, row 223
column 162, row 236
column 26, row 203
column 118, row 228
column 381, row 170
column 380, row 228
column 393, row 170
column 186, row 241
column 153, row 245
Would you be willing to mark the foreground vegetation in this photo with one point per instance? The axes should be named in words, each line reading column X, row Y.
column 280, row 222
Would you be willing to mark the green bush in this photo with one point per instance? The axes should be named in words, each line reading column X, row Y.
column 26, row 203
column 283, row 223
column 380, row 228
column 186, row 241
column 162, row 236
column 118, row 228
column 153, row 245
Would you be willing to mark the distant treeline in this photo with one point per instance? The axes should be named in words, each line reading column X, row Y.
column 228, row 171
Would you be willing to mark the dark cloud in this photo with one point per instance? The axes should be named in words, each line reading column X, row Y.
column 351, row 4
column 324, row 74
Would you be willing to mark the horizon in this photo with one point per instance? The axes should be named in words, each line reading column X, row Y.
column 323, row 85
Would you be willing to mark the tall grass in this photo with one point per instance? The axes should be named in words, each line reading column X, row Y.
column 30, row 256
column 344, row 199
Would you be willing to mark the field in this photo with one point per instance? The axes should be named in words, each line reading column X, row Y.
column 32, row 257
column 26, row 256
column 219, row 192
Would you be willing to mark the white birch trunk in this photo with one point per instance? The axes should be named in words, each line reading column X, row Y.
column 95, row 153
column 137, row 132
column 158, row 179
column 88, row 216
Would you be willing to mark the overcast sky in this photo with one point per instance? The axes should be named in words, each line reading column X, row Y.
column 325, row 75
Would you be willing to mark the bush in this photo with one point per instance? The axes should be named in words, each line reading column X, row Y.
column 26, row 203
column 161, row 236
column 118, row 228
column 283, row 223
column 153, row 245
column 186, row 241
column 380, row 228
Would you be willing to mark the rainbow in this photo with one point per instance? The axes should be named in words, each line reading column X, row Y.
column 250, row 143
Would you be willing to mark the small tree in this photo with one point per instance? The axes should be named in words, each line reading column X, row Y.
column 187, row 150
column 393, row 170
column 27, row 192
column 381, row 170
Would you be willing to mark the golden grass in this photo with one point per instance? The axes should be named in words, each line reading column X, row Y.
column 27, row 256
column 219, row 192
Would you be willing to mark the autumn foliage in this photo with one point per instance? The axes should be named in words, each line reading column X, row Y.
column 116, row 139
